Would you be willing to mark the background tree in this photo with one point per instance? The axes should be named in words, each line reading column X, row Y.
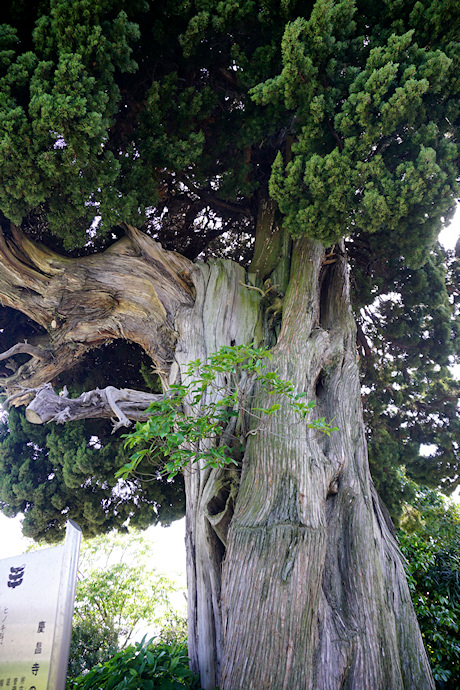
column 119, row 596
column 298, row 138
column 90, row 645
column 429, row 539
column 411, row 398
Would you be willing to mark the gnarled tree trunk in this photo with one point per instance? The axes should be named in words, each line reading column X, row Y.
column 313, row 588
column 295, row 579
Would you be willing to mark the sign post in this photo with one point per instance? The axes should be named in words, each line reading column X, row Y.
column 37, row 595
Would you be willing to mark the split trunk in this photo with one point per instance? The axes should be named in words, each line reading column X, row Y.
column 295, row 578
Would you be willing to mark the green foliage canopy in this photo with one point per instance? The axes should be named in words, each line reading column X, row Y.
column 109, row 106
column 411, row 396
column 90, row 645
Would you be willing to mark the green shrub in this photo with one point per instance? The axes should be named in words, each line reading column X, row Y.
column 92, row 643
column 174, row 628
column 220, row 391
column 143, row 666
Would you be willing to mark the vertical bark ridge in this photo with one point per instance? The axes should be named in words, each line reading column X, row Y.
column 310, row 562
column 225, row 313
column 280, row 569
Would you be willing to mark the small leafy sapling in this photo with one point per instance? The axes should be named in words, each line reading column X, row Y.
column 219, row 393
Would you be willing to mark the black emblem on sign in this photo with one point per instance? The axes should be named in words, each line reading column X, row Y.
column 15, row 577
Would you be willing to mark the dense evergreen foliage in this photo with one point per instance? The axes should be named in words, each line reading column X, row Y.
column 411, row 397
column 90, row 645
column 55, row 473
column 130, row 110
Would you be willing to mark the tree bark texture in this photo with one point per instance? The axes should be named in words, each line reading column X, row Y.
column 295, row 579
column 313, row 588
column 225, row 313
column 132, row 291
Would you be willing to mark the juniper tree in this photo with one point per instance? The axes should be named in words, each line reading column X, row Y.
column 262, row 149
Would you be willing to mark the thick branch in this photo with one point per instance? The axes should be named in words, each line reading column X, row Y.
column 227, row 206
column 24, row 348
column 132, row 291
column 30, row 376
column 109, row 403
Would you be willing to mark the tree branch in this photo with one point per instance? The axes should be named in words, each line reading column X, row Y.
column 362, row 340
column 336, row 136
column 25, row 348
column 126, row 404
column 133, row 291
column 227, row 206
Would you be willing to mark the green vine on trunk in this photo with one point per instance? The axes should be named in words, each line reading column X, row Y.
column 219, row 391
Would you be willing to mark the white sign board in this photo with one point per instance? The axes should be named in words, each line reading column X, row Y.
column 37, row 594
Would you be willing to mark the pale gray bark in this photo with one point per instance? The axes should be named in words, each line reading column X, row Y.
column 314, row 594
column 225, row 313
column 121, row 405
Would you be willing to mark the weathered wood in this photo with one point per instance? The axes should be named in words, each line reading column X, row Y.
column 133, row 290
column 123, row 404
column 24, row 349
column 225, row 313
column 313, row 587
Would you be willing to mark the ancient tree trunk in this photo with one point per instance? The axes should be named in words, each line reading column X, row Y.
column 294, row 576
column 314, row 594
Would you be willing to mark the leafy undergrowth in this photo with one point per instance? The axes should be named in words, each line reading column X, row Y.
column 143, row 666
